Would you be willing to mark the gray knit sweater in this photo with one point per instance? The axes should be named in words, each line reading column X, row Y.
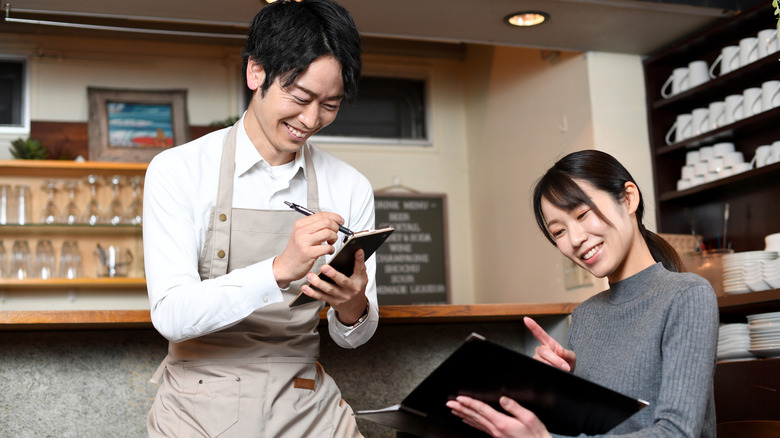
column 653, row 336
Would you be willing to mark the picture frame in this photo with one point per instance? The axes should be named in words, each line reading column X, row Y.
column 135, row 125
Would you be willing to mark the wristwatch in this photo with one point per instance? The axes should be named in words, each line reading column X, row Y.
column 362, row 318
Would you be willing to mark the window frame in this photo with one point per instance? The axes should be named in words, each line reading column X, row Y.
column 24, row 127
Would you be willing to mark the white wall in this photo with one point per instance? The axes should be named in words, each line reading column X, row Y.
column 500, row 118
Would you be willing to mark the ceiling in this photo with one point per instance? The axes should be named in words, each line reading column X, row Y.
column 622, row 26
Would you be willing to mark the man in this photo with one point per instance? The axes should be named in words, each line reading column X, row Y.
column 225, row 256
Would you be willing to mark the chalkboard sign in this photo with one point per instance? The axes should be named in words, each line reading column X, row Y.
column 412, row 265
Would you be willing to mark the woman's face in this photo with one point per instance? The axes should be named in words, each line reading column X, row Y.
column 582, row 236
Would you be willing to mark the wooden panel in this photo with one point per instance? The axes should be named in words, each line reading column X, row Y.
column 747, row 390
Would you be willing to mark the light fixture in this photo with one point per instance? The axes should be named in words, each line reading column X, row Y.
column 527, row 18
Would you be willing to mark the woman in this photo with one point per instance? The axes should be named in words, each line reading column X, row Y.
column 652, row 335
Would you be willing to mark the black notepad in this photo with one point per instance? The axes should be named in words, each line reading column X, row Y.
column 565, row 403
column 344, row 260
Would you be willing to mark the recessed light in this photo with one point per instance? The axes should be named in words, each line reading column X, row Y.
column 527, row 18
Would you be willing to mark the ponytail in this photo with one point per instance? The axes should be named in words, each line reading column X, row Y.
column 662, row 251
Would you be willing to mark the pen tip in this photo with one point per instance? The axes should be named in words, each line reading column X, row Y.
column 289, row 204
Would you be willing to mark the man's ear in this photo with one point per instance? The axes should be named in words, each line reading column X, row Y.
column 255, row 75
column 632, row 197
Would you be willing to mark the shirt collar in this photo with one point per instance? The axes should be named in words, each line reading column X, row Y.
column 248, row 157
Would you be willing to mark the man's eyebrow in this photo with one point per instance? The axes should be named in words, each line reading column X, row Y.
column 313, row 94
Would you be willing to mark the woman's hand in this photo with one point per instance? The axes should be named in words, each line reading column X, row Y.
column 550, row 352
column 521, row 423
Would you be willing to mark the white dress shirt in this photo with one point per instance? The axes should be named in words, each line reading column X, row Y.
column 179, row 191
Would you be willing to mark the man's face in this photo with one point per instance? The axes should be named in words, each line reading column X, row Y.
column 280, row 122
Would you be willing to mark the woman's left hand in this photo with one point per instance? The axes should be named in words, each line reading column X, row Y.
column 522, row 423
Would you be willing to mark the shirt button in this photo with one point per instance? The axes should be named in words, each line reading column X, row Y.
column 221, row 254
column 265, row 299
column 223, row 217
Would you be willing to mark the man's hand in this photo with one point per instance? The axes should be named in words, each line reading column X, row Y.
column 307, row 243
column 348, row 295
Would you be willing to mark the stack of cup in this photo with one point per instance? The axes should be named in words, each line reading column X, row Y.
column 711, row 163
column 766, row 154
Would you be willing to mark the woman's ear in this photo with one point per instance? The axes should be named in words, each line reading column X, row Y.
column 255, row 75
column 632, row 197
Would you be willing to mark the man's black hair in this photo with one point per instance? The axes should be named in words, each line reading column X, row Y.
column 285, row 37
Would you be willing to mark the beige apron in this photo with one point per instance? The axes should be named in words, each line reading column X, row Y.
column 260, row 377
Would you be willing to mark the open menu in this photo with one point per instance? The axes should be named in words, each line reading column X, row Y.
column 565, row 403
column 344, row 260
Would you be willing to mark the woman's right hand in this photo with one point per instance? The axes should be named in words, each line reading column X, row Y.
column 550, row 351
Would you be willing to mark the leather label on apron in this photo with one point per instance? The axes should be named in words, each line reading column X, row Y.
column 302, row 383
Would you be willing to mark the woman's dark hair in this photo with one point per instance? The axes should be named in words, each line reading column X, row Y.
column 286, row 36
column 605, row 173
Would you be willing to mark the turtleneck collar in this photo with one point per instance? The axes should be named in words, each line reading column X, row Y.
column 634, row 286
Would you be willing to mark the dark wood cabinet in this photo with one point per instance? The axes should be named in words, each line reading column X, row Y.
column 753, row 196
column 746, row 392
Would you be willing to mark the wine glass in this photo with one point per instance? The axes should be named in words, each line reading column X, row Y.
column 135, row 209
column 116, row 213
column 71, row 215
column 3, row 261
column 94, row 212
column 50, row 214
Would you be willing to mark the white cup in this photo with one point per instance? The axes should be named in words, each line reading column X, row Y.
column 763, row 155
column 697, row 180
column 700, row 169
column 689, row 169
column 710, row 177
column 700, row 122
column 717, row 114
column 678, row 81
column 715, row 165
column 725, row 173
column 748, row 51
column 681, row 129
column 770, row 95
column 691, row 157
column 706, row 153
column 734, row 106
column 698, row 73
column 752, row 103
column 728, row 60
column 740, row 167
column 775, row 152
column 721, row 149
column 683, row 184
column 767, row 42
column 733, row 158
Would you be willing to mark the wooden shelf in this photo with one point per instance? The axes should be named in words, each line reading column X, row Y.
column 60, row 169
column 52, row 229
column 767, row 174
column 430, row 314
column 77, row 283
column 749, row 303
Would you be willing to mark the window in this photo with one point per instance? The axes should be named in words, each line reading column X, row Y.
column 387, row 108
column 14, row 116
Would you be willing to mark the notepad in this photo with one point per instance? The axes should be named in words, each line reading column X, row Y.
column 344, row 260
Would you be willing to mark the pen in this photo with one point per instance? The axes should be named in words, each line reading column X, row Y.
column 307, row 212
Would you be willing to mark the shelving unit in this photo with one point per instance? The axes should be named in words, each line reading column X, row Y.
column 33, row 302
column 752, row 195
column 745, row 391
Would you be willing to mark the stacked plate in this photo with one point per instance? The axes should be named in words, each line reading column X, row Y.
column 734, row 342
column 764, row 334
column 743, row 272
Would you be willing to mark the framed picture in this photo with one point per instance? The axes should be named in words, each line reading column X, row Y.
column 135, row 125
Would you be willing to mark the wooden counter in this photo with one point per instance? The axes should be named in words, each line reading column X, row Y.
column 445, row 313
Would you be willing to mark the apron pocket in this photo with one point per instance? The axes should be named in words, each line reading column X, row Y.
column 214, row 405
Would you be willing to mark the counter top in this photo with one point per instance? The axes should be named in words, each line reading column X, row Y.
column 423, row 314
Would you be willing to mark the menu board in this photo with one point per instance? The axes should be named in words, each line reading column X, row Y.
column 412, row 265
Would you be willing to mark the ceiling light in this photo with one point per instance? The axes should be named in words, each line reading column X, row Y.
column 527, row 18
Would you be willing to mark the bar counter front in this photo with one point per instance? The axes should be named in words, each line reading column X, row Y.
column 65, row 377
